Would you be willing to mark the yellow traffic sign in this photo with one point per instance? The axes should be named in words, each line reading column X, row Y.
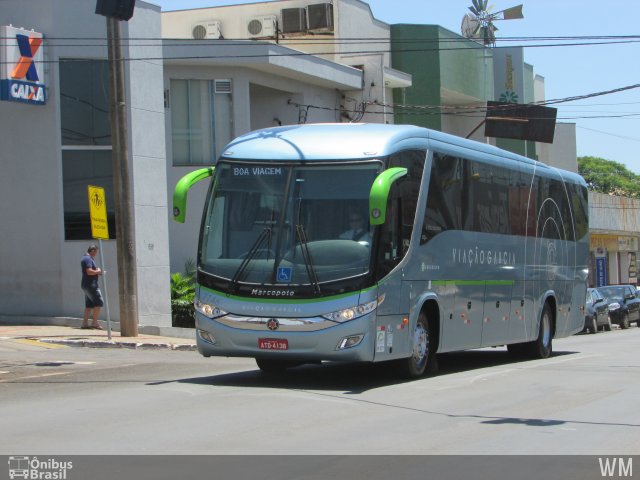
column 98, row 213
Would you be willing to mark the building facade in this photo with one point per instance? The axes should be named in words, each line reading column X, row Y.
column 186, row 98
column 195, row 79
column 52, row 151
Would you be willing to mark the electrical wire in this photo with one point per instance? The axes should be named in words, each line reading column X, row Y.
column 468, row 45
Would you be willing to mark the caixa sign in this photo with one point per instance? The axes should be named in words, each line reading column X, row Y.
column 21, row 66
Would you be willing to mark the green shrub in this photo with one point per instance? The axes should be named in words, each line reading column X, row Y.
column 182, row 296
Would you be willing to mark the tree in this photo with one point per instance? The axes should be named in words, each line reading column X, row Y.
column 609, row 177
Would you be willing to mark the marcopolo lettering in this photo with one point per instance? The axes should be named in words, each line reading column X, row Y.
column 272, row 293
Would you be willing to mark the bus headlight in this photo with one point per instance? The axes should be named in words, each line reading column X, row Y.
column 208, row 310
column 354, row 312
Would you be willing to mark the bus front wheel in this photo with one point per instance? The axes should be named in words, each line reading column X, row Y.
column 422, row 358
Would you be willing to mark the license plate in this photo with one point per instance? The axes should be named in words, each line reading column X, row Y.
column 273, row 343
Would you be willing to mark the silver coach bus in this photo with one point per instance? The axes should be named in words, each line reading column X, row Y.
column 365, row 242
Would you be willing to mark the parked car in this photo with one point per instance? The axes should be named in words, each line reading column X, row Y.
column 596, row 312
column 624, row 304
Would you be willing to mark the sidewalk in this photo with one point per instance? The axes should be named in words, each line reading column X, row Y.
column 77, row 337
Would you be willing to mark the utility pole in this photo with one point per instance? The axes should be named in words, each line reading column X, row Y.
column 116, row 10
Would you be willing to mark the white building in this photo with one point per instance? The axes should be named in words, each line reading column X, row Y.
column 186, row 98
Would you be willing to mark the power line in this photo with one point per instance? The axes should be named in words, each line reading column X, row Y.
column 610, row 134
column 190, row 43
column 325, row 40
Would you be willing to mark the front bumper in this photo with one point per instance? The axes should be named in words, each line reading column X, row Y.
column 309, row 339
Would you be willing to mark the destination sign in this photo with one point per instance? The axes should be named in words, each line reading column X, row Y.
column 257, row 171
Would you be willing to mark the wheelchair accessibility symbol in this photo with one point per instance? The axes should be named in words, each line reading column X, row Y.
column 285, row 274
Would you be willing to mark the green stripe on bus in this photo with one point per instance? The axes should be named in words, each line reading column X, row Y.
column 286, row 300
column 472, row 282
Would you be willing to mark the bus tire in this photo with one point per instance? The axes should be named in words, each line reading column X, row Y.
column 422, row 358
column 269, row 365
column 543, row 345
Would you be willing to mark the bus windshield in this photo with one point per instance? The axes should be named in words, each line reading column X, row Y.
column 274, row 224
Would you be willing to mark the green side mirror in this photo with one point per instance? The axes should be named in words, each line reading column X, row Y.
column 182, row 188
column 380, row 194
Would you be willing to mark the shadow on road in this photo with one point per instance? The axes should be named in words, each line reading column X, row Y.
column 354, row 378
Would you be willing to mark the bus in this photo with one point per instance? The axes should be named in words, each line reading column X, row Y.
column 464, row 246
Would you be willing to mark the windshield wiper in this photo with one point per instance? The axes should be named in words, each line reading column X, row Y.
column 308, row 262
column 265, row 236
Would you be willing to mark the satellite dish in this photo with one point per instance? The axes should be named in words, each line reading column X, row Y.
column 480, row 24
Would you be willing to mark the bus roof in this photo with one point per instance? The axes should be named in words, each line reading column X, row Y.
column 335, row 141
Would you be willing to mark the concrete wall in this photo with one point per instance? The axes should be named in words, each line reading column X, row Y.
column 562, row 153
column 146, row 114
column 460, row 74
column 615, row 215
column 40, row 271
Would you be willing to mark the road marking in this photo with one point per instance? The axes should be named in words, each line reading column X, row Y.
column 51, row 374
column 537, row 364
column 484, row 376
column 563, row 360
column 37, row 343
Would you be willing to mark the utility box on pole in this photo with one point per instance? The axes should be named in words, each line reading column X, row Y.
column 118, row 9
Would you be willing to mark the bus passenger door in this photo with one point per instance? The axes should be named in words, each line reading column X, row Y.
column 497, row 313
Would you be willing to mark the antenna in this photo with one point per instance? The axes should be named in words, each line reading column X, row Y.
column 480, row 25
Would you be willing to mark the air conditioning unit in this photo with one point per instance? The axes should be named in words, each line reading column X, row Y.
column 206, row 30
column 320, row 17
column 262, row 27
column 294, row 20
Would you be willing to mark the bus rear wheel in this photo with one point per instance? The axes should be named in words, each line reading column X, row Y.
column 542, row 346
column 422, row 358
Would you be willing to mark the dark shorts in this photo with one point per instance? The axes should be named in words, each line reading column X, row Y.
column 92, row 297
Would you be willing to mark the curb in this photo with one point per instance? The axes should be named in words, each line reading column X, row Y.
column 114, row 344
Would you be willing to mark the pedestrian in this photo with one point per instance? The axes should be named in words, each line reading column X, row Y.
column 92, row 295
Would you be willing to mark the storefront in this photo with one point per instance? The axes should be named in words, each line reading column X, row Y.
column 613, row 260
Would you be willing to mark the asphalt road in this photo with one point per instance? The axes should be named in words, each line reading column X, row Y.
column 66, row 401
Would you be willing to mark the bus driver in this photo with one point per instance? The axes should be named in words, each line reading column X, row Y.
column 357, row 230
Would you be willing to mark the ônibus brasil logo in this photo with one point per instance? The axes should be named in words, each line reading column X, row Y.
column 40, row 469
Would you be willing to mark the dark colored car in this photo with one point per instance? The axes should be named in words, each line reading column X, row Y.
column 624, row 304
column 596, row 312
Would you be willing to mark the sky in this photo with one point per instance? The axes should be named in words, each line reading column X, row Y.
column 607, row 126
